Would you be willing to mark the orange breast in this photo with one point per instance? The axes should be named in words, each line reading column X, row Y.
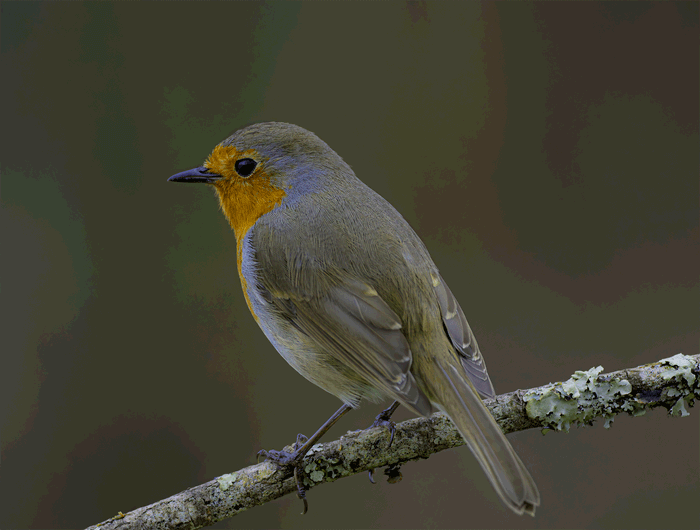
column 243, row 200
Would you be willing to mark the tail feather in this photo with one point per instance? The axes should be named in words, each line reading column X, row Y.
column 508, row 475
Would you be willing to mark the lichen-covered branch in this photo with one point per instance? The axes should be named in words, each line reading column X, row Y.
column 672, row 383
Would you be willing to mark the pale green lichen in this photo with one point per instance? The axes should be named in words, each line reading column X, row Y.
column 681, row 373
column 577, row 401
column 635, row 408
column 679, row 409
column 683, row 366
column 321, row 469
column 584, row 397
column 672, row 392
column 226, row 481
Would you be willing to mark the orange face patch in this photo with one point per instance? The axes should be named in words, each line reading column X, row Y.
column 243, row 199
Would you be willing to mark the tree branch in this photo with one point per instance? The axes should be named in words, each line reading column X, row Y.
column 672, row 383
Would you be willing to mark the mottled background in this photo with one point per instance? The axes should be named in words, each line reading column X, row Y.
column 546, row 153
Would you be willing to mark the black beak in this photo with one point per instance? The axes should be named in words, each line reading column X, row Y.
column 198, row 174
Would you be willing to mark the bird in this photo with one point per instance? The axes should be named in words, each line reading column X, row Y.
column 347, row 293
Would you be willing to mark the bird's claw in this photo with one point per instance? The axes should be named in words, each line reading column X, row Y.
column 285, row 458
column 293, row 460
column 301, row 490
column 382, row 420
column 281, row 458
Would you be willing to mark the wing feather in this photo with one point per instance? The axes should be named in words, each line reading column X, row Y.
column 462, row 338
column 359, row 329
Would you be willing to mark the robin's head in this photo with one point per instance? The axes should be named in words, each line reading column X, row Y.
column 259, row 167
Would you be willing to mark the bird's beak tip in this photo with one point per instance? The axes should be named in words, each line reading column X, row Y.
column 197, row 175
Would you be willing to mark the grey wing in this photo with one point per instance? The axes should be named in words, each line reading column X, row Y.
column 353, row 324
column 462, row 338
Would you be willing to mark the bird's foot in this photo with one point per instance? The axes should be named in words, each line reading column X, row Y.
column 293, row 460
column 383, row 419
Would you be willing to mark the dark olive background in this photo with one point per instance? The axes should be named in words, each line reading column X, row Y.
column 546, row 153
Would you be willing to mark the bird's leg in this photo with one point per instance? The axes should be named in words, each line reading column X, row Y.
column 301, row 447
column 383, row 420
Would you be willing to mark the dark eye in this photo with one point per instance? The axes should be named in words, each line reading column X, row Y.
column 245, row 166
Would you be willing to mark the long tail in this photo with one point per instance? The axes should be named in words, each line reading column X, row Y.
column 458, row 398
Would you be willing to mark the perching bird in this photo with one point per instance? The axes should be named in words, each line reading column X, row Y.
column 347, row 293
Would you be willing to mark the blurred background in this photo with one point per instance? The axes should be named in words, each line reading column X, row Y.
column 546, row 153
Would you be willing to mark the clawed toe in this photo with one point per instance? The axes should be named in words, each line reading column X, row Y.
column 301, row 490
column 387, row 424
column 281, row 458
column 383, row 419
column 301, row 447
column 285, row 458
column 294, row 460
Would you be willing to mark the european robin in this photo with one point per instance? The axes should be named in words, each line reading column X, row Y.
column 347, row 293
